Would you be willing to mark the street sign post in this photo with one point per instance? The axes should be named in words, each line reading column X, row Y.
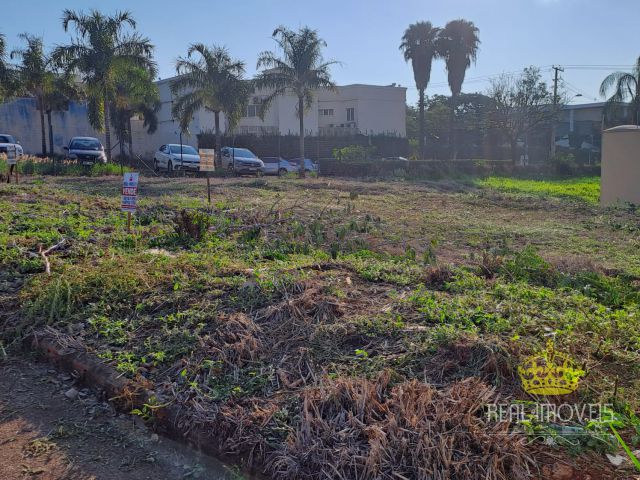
column 12, row 162
column 207, row 164
column 129, row 195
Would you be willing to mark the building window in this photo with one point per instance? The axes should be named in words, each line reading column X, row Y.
column 351, row 114
column 326, row 112
column 253, row 109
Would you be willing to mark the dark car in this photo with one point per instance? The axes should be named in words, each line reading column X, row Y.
column 86, row 150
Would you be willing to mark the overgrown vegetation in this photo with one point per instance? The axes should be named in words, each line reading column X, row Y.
column 47, row 166
column 584, row 188
column 285, row 309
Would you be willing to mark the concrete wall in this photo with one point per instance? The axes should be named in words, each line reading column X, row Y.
column 620, row 181
column 21, row 119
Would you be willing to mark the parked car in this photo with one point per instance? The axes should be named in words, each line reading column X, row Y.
column 7, row 140
column 276, row 166
column 309, row 166
column 172, row 157
column 86, row 150
column 241, row 160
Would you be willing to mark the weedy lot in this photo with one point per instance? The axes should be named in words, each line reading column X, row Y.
column 340, row 329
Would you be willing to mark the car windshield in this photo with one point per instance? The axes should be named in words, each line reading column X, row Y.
column 7, row 139
column 85, row 144
column 186, row 149
column 243, row 152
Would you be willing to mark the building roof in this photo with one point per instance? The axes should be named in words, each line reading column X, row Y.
column 170, row 79
column 624, row 128
column 579, row 106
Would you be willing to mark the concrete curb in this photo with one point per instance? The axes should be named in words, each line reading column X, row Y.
column 127, row 394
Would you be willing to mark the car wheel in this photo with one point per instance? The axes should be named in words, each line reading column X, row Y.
column 169, row 167
column 282, row 171
column 230, row 169
column 259, row 173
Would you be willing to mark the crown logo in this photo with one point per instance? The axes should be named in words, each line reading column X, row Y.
column 550, row 373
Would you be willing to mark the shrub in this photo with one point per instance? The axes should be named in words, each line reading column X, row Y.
column 192, row 224
column 354, row 152
column 564, row 164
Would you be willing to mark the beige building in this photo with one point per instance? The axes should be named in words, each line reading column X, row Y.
column 620, row 180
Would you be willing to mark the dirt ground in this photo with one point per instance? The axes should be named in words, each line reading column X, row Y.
column 46, row 435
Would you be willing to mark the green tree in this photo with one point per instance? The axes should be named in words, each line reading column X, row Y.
column 60, row 90
column 35, row 76
column 521, row 105
column 134, row 93
column 458, row 44
column 419, row 45
column 300, row 70
column 210, row 79
column 101, row 45
column 626, row 89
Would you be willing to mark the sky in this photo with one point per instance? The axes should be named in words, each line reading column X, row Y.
column 597, row 35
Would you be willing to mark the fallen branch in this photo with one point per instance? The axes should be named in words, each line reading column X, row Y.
column 44, row 254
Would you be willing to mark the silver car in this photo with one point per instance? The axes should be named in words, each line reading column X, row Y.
column 7, row 141
column 86, row 150
column 172, row 157
column 241, row 160
column 309, row 166
column 276, row 166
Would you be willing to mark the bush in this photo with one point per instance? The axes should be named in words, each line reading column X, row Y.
column 354, row 152
column 45, row 166
column 191, row 225
column 564, row 164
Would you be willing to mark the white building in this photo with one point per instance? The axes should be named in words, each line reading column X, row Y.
column 350, row 109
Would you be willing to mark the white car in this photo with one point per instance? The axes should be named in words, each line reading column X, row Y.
column 172, row 157
column 6, row 141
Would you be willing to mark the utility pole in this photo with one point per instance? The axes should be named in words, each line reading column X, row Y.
column 556, row 100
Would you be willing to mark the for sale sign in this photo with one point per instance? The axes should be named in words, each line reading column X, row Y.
column 12, row 158
column 207, row 159
column 130, row 192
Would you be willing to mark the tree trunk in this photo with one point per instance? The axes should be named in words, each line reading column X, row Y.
column 452, row 127
column 42, row 129
column 301, row 172
column 421, row 141
column 120, row 133
column 216, row 116
column 51, row 152
column 130, row 138
column 107, row 127
column 514, row 151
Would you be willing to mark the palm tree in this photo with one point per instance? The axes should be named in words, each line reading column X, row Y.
column 134, row 93
column 300, row 70
column 59, row 91
column 4, row 80
column 419, row 44
column 35, row 76
column 100, row 46
column 626, row 89
column 458, row 44
column 209, row 78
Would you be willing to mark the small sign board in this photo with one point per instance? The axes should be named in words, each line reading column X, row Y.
column 129, row 192
column 12, row 158
column 207, row 159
